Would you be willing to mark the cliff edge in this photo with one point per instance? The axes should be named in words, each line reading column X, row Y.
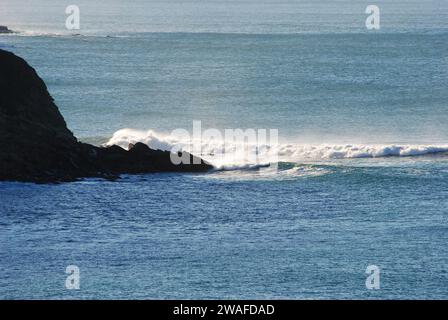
column 37, row 146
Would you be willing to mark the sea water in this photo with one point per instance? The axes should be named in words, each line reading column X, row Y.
column 362, row 174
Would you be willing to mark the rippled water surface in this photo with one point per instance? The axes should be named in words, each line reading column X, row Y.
column 363, row 172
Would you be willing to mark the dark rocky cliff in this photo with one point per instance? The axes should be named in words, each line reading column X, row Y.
column 37, row 146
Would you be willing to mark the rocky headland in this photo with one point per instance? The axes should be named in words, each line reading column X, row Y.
column 37, row 146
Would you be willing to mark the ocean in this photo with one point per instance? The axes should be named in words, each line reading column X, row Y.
column 362, row 153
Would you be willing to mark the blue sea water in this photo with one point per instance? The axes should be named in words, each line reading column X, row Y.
column 363, row 173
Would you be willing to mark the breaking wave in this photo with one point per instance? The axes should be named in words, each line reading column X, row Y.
column 231, row 156
column 67, row 34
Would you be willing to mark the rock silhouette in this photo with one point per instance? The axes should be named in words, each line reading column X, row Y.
column 4, row 29
column 37, row 146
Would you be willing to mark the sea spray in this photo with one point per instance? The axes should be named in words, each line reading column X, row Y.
column 239, row 153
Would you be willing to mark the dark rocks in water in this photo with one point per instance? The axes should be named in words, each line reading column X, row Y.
column 140, row 159
column 4, row 29
column 37, row 146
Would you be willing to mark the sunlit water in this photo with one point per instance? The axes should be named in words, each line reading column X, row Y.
column 363, row 172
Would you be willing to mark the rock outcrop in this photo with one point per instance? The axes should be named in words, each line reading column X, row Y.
column 37, row 146
column 4, row 29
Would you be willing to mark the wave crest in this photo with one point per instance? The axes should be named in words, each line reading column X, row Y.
column 228, row 156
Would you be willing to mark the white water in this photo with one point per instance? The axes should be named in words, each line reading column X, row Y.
column 237, row 155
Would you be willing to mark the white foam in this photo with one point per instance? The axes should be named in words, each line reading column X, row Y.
column 154, row 140
column 67, row 34
column 232, row 157
column 349, row 151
